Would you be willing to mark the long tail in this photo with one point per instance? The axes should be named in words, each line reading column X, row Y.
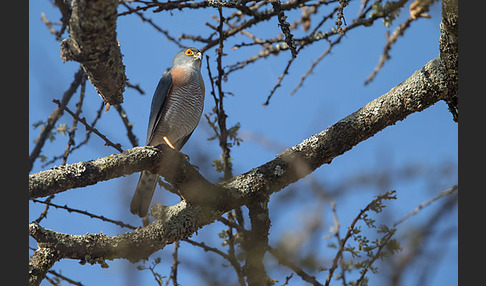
column 143, row 194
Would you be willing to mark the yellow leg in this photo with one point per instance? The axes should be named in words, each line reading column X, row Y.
column 168, row 142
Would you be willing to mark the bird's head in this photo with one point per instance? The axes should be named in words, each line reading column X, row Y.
column 188, row 57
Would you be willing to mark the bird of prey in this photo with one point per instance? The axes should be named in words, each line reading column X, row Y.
column 177, row 106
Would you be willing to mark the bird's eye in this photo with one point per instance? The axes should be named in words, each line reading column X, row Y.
column 189, row 52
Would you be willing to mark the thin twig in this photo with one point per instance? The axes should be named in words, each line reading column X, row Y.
column 128, row 125
column 223, row 138
column 55, row 115
column 231, row 250
column 86, row 139
column 43, row 215
column 145, row 19
column 417, row 11
column 315, row 63
column 79, row 106
column 236, row 265
column 427, row 203
column 65, row 207
column 282, row 259
column 285, row 26
column 60, row 276
column 136, row 87
column 117, row 146
column 349, row 233
column 175, row 263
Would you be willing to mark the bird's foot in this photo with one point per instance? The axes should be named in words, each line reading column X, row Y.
column 168, row 143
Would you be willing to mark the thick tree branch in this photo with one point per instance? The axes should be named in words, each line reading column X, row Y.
column 448, row 46
column 174, row 222
column 256, row 242
column 159, row 159
column 92, row 42
column 40, row 262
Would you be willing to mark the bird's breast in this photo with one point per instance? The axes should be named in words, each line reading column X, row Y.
column 185, row 104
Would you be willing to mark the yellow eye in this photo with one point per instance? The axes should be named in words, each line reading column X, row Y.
column 189, row 52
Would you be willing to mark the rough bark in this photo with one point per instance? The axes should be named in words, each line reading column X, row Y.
column 92, row 42
column 256, row 241
column 449, row 52
column 40, row 262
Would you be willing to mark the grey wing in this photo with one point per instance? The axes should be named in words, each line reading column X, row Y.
column 158, row 104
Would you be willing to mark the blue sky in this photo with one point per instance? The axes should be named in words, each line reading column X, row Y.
column 334, row 90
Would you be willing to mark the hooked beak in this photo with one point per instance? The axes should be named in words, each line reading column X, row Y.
column 198, row 56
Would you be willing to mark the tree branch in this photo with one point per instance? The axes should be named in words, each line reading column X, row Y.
column 256, row 242
column 92, row 42
column 56, row 114
column 40, row 262
column 448, row 46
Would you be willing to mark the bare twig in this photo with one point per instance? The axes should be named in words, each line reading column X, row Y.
column 55, row 115
column 129, row 126
column 79, row 106
column 279, row 81
column 136, row 87
column 44, row 212
column 86, row 213
column 417, row 11
column 60, row 276
column 315, row 63
column 117, row 146
column 86, row 139
column 231, row 250
column 220, row 113
column 48, row 24
column 156, row 27
column 282, row 259
column 427, row 203
column 175, row 263
column 285, row 26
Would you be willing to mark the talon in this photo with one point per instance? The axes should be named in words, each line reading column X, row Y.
column 168, row 143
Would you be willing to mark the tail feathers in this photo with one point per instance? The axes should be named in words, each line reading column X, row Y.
column 143, row 194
